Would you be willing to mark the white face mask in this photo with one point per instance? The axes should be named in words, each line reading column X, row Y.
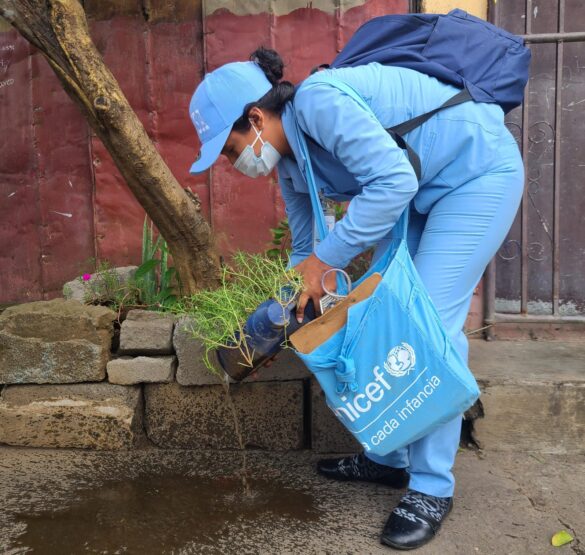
column 253, row 166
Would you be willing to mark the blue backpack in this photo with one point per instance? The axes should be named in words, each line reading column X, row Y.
column 488, row 63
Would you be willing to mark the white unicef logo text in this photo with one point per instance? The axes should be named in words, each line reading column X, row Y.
column 400, row 360
column 199, row 122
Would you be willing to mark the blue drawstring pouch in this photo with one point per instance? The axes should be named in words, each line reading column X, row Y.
column 382, row 357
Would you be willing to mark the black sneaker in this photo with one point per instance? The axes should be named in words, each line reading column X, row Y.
column 359, row 467
column 416, row 520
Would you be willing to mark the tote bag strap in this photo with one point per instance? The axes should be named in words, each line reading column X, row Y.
column 318, row 213
column 400, row 228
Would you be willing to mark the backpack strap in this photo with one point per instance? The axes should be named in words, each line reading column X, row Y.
column 397, row 131
column 407, row 126
column 319, row 68
column 412, row 155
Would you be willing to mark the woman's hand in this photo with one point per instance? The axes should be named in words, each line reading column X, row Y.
column 312, row 270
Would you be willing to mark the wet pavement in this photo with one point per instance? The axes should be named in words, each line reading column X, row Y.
column 179, row 502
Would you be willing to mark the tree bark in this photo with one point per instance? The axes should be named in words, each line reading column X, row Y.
column 58, row 28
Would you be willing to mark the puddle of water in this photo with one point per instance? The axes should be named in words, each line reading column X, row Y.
column 161, row 514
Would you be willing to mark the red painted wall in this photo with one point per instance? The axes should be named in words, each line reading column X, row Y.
column 62, row 200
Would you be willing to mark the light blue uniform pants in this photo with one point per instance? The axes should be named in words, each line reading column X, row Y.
column 451, row 246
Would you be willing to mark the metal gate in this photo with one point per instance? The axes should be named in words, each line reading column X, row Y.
column 536, row 283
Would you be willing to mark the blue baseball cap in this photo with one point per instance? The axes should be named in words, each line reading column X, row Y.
column 219, row 101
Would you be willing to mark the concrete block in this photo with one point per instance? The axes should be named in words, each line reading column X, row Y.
column 147, row 332
column 533, row 396
column 191, row 370
column 328, row 434
column 57, row 341
column 270, row 416
column 92, row 416
column 97, row 286
column 286, row 366
column 523, row 417
column 133, row 370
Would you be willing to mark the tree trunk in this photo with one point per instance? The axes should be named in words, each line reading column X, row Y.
column 58, row 28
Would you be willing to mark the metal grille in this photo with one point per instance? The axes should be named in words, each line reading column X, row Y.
column 537, row 275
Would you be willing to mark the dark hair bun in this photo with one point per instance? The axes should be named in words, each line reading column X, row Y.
column 270, row 63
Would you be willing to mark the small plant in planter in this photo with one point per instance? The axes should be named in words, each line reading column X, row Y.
column 219, row 316
column 153, row 279
column 152, row 286
column 281, row 238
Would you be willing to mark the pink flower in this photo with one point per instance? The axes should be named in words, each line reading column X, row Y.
column 86, row 277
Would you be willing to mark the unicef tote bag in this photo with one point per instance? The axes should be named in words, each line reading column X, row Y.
column 382, row 357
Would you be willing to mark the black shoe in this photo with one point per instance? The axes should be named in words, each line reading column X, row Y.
column 416, row 520
column 359, row 467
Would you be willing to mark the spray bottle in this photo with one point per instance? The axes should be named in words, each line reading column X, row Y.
column 272, row 322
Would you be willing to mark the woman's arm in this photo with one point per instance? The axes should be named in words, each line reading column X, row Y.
column 357, row 139
column 300, row 220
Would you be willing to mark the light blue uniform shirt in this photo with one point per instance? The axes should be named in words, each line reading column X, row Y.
column 354, row 158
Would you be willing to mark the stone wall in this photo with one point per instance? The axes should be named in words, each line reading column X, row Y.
column 72, row 378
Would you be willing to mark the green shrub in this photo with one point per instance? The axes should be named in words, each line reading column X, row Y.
column 219, row 315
